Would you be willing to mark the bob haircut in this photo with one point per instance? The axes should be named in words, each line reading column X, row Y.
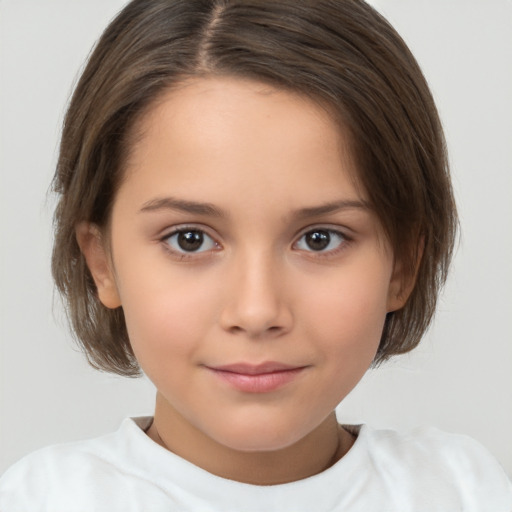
column 340, row 53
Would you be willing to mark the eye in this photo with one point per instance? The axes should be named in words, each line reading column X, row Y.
column 321, row 240
column 190, row 240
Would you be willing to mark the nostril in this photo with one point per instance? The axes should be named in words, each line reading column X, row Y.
column 257, row 308
column 272, row 331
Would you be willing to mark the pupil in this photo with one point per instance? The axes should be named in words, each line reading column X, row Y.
column 190, row 240
column 318, row 240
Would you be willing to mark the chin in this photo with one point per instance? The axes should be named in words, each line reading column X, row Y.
column 263, row 437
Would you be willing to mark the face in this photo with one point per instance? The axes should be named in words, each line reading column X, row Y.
column 254, row 278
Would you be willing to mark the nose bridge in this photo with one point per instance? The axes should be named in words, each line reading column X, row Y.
column 257, row 301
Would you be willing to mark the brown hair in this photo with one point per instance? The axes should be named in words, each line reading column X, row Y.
column 342, row 54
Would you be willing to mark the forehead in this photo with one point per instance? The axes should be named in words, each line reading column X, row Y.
column 248, row 134
column 241, row 104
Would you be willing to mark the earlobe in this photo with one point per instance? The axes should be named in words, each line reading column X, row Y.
column 91, row 244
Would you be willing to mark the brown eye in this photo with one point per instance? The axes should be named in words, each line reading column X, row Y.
column 190, row 240
column 320, row 240
column 317, row 240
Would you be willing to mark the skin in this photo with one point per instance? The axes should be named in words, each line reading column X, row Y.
column 255, row 291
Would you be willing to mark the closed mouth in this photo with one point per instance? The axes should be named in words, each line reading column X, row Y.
column 256, row 369
column 259, row 378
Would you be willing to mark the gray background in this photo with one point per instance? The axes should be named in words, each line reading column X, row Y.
column 459, row 379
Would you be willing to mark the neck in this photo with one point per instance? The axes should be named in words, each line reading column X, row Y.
column 312, row 454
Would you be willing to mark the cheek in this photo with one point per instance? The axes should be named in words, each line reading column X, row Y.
column 167, row 314
column 346, row 325
column 348, row 312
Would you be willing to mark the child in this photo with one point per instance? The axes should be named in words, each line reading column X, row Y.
column 254, row 207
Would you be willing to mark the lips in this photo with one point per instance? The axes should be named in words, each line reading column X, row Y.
column 258, row 369
column 260, row 378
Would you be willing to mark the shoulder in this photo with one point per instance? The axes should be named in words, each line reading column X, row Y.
column 429, row 457
column 430, row 444
column 71, row 476
column 62, row 466
column 22, row 486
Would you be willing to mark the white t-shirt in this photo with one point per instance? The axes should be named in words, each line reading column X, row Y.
column 126, row 471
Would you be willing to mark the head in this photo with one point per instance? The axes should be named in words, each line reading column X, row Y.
column 341, row 56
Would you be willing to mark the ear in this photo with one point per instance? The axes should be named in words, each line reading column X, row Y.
column 91, row 244
column 400, row 288
column 403, row 280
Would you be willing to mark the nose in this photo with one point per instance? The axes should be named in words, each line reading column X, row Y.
column 256, row 303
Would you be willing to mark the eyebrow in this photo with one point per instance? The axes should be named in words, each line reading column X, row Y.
column 208, row 209
column 182, row 205
column 335, row 206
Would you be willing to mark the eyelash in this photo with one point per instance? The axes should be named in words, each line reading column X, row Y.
column 344, row 240
column 185, row 255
